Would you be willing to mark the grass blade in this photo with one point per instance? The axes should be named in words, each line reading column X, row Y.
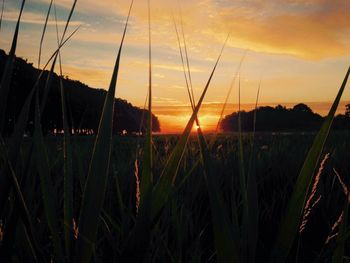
column 46, row 184
column 243, row 183
column 226, row 101
column 188, row 80
column 226, row 247
column 95, row 185
column 163, row 187
column 68, row 175
column 7, row 74
column 68, row 20
column 183, row 65
column 43, row 34
column 49, row 77
column 67, row 166
column 289, row 225
column 187, row 59
column 252, row 192
column 146, row 179
column 138, row 240
column 223, row 235
column 2, row 12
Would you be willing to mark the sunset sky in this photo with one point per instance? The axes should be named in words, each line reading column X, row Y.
column 300, row 50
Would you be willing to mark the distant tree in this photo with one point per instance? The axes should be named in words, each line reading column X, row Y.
column 84, row 104
column 301, row 107
column 347, row 110
column 280, row 107
column 298, row 118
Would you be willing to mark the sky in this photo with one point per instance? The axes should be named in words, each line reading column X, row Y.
column 299, row 50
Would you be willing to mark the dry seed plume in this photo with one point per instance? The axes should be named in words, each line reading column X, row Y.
column 343, row 185
column 335, row 225
column 332, row 233
column 137, row 180
column 311, row 201
column 75, row 229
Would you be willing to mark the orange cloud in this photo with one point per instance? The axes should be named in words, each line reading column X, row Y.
column 308, row 29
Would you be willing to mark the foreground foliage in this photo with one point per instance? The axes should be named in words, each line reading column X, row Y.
column 82, row 199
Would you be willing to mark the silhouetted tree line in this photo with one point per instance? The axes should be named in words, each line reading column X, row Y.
column 280, row 118
column 84, row 103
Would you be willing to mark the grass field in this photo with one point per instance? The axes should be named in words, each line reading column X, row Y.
column 183, row 231
column 187, row 198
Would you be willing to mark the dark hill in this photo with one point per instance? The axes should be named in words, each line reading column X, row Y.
column 282, row 119
column 84, row 103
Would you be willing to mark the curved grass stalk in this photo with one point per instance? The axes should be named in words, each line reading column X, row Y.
column 49, row 77
column 138, row 240
column 43, row 33
column 67, row 166
column 163, row 188
column 137, row 243
column 2, row 12
column 187, row 59
column 212, row 141
column 147, row 177
column 243, row 184
column 46, row 184
column 183, row 64
column 96, row 181
column 252, row 194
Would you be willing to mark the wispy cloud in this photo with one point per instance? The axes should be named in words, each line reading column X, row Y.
column 37, row 19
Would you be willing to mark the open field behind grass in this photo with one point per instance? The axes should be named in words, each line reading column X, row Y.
column 183, row 231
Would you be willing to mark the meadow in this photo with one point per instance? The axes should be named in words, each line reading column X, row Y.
column 183, row 232
column 255, row 197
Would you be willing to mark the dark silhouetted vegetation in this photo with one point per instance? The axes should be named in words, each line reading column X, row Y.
column 84, row 103
column 280, row 118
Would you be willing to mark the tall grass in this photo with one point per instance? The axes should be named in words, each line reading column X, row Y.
column 46, row 183
column 289, row 225
column 212, row 215
column 252, row 193
column 67, row 162
column 147, row 176
column 16, row 139
column 95, row 185
column 227, row 249
column 168, row 175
